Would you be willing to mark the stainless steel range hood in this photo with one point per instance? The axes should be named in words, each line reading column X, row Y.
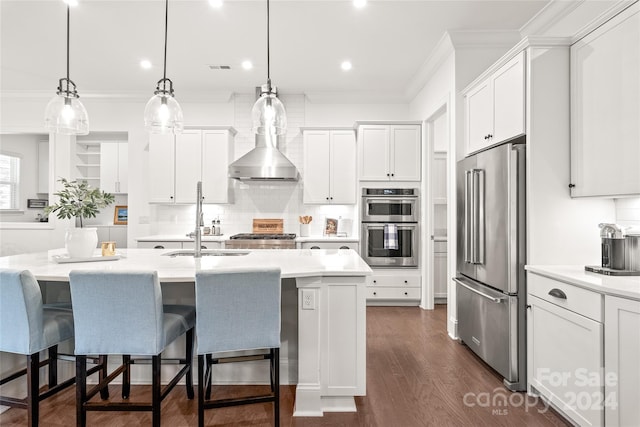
column 265, row 162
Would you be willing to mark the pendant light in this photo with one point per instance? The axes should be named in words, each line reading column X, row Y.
column 163, row 113
column 268, row 114
column 65, row 114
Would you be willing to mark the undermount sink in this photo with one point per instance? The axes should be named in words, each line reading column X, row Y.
column 206, row 253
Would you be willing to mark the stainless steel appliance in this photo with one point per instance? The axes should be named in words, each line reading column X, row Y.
column 390, row 205
column 261, row 241
column 620, row 256
column 491, row 290
column 382, row 207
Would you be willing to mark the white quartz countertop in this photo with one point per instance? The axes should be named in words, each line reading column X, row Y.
column 621, row 286
column 210, row 238
column 292, row 262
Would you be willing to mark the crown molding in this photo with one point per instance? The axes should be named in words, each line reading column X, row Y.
column 548, row 16
column 605, row 16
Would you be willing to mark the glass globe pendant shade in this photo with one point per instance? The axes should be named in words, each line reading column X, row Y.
column 163, row 115
column 269, row 116
column 66, row 115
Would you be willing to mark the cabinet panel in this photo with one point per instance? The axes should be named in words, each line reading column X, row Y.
column 343, row 167
column 478, row 116
column 605, row 106
column 160, row 245
column 123, row 167
column 508, row 100
column 405, row 152
column 217, row 152
column 622, row 358
column 440, row 274
column 188, row 165
column 581, row 301
column 43, row 167
column 566, row 348
column 375, row 153
column 331, row 245
column 397, row 281
column 161, row 168
column 317, row 160
column 113, row 167
column 391, row 294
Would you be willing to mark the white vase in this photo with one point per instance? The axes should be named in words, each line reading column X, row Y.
column 81, row 242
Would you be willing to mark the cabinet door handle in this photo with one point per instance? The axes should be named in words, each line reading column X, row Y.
column 314, row 247
column 490, row 136
column 387, row 174
column 555, row 292
column 344, row 247
column 158, row 247
column 393, row 174
column 406, row 293
column 375, row 294
column 572, row 185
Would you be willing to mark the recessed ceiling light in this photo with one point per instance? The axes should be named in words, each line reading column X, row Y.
column 145, row 64
column 359, row 3
column 71, row 2
column 346, row 65
column 215, row 3
column 247, row 65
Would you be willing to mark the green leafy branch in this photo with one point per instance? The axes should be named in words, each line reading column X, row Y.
column 79, row 200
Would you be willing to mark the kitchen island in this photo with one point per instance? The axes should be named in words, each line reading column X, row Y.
column 329, row 304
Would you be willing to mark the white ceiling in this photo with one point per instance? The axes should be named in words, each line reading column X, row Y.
column 387, row 42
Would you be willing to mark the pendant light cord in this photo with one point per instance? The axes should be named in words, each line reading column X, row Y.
column 268, row 53
column 68, row 15
column 166, row 24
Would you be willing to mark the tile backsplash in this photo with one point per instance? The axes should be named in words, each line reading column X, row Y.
column 628, row 212
column 256, row 199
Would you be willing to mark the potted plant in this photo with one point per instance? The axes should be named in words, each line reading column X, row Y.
column 79, row 200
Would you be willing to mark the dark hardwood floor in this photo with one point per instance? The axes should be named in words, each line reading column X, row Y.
column 416, row 376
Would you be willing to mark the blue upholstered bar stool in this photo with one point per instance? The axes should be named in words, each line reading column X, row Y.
column 122, row 313
column 237, row 310
column 27, row 326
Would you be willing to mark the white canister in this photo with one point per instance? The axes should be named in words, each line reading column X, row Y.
column 304, row 230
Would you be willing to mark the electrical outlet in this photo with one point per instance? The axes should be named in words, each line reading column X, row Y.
column 308, row 299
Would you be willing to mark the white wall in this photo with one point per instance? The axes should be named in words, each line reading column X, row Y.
column 628, row 212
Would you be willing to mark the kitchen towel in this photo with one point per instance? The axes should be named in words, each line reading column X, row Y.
column 390, row 236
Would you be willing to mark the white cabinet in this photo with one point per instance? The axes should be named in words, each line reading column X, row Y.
column 87, row 162
column 329, row 166
column 440, row 270
column 393, row 287
column 494, row 107
column 622, row 361
column 174, row 244
column 390, row 152
column 161, row 168
column 177, row 163
column 565, row 348
column 605, row 108
column 114, row 167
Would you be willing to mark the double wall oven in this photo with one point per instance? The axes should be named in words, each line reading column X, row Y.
column 389, row 221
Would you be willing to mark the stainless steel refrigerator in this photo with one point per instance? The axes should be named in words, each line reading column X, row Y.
column 490, row 283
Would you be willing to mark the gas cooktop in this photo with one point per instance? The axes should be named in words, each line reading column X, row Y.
column 252, row 236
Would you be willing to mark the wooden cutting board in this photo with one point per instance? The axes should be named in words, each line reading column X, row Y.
column 268, row 226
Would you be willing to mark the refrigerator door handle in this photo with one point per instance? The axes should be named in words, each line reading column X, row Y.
column 468, row 231
column 478, row 190
column 497, row 300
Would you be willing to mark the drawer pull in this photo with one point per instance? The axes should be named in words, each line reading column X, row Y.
column 555, row 292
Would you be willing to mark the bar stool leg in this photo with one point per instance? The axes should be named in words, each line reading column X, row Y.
column 53, row 366
column 276, row 364
column 126, row 376
column 33, row 391
column 81, row 390
column 102, row 374
column 155, row 392
column 208, row 376
column 201, row 387
column 189, row 356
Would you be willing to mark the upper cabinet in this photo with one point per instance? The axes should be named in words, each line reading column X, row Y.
column 605, row 108
column 390, row 152
column 114, row 166
column 494, row 107
column 177, row 163
column 329, row 166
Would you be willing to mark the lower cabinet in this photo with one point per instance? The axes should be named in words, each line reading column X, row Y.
column 565, row 348
column 393, row 287
column 622, row 361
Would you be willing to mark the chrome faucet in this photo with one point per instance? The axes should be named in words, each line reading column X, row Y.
column 199, row 221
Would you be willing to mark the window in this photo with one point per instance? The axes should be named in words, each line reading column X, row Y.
column 9, row 181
